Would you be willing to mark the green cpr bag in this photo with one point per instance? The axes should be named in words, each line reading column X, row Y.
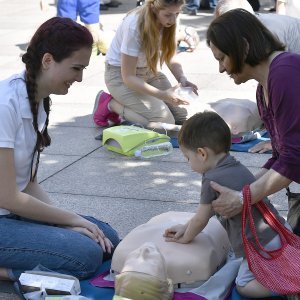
column 127, row 140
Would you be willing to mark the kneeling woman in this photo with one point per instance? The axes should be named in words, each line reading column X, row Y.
column 139, row 92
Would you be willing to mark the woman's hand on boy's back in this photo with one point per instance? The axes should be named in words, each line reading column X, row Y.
column 228, row 203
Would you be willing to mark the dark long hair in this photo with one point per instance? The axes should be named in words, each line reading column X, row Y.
column 230, row 32
column 60, row 37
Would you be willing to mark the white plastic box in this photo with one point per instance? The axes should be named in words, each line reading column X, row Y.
column 52, row 283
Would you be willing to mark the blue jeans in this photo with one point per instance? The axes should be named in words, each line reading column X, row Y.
column 213, row 3
column 192, row 4
column 88, row 10
column 26, row 244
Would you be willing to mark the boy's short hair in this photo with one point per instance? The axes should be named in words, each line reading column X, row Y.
column 205, row 129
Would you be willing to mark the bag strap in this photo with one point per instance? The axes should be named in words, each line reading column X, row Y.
column 267, row 215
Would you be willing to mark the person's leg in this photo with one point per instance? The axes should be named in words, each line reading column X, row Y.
column 34, row 189
column 88, row 11
column 54, row 248
column 134, row 107
column 67, row 9
column 89, row 14
column 246, row 283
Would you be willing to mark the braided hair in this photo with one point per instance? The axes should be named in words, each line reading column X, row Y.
column 60, row 37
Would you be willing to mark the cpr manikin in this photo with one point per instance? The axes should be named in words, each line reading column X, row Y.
column 185, row 264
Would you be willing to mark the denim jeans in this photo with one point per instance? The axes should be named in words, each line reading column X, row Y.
column 192, row 4
column 26, row 244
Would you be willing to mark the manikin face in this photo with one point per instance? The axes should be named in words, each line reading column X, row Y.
column 144, row 275
column 225, row 65
column 167, row 17
column 58, row 77
column 146, row 259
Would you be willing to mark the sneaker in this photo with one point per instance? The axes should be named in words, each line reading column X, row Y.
column 101, row 111
column 192, row 12
column 114, row 117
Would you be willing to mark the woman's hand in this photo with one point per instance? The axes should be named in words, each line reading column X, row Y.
column 171, row 96
column 261, row 147
column 92, row 231
column 228, row 203
column 185, row 83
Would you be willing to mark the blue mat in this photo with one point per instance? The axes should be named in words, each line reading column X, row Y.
column 96, row 293
column 242, row 147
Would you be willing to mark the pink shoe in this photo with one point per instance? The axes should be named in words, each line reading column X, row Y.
column 101, row 110
column 114, row 117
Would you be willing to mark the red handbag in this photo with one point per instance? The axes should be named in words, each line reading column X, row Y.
column 277, row 270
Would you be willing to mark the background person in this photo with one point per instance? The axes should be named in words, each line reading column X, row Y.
column 33, row 232
column 246, row 49
column 286, row 28
column 140, row 93
column 288, row 7
column 89, row 14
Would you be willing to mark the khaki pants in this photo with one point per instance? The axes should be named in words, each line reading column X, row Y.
column 140, row 108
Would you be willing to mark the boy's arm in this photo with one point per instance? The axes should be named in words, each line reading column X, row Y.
column 186, row 233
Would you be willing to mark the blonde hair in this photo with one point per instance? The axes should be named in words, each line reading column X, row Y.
column 150, row 34
column 136, row 286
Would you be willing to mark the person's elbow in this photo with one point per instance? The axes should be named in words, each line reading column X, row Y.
column 8, row 199
column 128, row 80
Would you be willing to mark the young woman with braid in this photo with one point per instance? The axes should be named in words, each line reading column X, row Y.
column 140, row 93
column 32, row 231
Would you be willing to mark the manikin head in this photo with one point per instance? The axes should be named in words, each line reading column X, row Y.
column 144, row 275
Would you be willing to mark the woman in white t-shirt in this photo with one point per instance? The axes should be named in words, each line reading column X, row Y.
column 139, row 92
column 32, row 231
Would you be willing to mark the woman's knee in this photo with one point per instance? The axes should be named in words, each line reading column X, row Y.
column 91, row 260
column 253, row 289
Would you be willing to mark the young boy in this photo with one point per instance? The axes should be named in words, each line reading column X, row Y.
column 205, row 141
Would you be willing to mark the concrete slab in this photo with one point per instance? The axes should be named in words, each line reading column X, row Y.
column 132, row 214
column 52, row 164
column 72, row 140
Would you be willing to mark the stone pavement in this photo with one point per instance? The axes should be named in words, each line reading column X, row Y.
column 81, row 175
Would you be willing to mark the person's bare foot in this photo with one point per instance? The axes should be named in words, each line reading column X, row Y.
column 4, row 274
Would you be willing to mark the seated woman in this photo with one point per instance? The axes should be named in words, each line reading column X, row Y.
column 34, row 232
column 139, row 92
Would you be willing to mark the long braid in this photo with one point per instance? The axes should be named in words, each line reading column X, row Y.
column 43, row 138
column 59, row 37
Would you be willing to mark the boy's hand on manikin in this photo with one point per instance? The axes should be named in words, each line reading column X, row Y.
column 176, row 234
